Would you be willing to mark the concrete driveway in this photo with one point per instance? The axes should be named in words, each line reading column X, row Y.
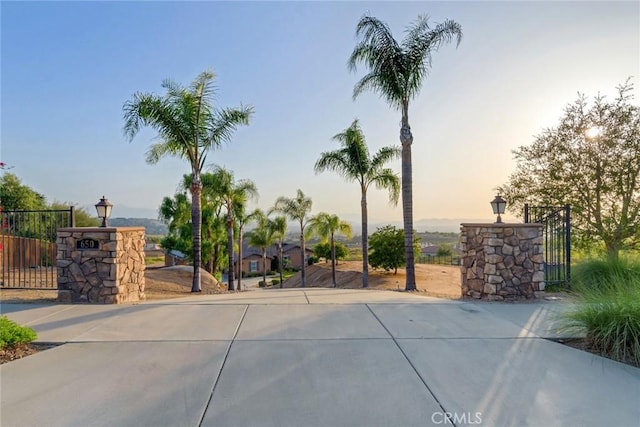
column 316, row 357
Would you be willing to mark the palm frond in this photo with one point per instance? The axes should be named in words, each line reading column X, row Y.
column 385, row 155
column 387, row 179
column 420, row 42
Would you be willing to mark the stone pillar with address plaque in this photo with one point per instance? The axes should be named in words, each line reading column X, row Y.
column 101, row 265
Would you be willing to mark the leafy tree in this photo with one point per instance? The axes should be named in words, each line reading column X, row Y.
column 354, row 163
column 176, row 213
column 323, row 250
column 16, row 196
column 82, row 217
column 387, row 248
column 297, row 209
column 590, row 160
column 188, row 126
column 444, row 249
column 327, row 226
column 396, row 72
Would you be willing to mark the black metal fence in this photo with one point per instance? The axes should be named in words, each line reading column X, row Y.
column 28, row 247
column 556, row 233
column 439, row 260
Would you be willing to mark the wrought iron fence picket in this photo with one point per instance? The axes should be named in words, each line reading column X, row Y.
column 28, row 247
column 556, row 232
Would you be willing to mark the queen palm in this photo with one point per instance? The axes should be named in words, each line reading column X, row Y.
column 279, row 228
column 297, row 209
column 327, row 226
column 263, row 236
column 354, row 163
column 213, row 226
column 188, row 127
column 396, row 72
column 231, row 194
column 242, row 219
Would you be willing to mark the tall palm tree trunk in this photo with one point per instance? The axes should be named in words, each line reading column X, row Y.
column 365, row 239
column 264, row 266
column 230, row 251
column 280, row 261
column 406, row 138
column 196, row 219
column 333, row 261
column 240, row 258
column 302, row 255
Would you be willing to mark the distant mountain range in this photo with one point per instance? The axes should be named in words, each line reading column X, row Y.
column 442, row 225
column 152, row 226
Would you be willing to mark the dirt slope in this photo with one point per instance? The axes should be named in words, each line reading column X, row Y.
column 435, row 280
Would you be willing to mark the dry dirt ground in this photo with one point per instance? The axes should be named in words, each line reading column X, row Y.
column 434, row 280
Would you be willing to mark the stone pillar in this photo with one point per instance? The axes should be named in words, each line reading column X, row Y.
column 502, row 261
column 101, row 265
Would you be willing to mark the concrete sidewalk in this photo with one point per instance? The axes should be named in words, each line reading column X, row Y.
column 316, row 357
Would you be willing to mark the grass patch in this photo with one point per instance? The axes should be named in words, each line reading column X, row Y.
column 13, row 334
column 608, row 312
column 596, row 273
column 154, row 260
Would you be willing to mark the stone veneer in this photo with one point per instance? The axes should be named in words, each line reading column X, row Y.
column 502, row 261
column 112, row 273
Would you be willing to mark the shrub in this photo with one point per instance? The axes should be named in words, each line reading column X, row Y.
column 596, row 273
column 262, row 284
column 275, row 282
column 11, row 333
column 608, row 312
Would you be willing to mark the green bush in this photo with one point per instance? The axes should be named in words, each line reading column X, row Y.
column 11, row 333
column 596, row 273
column 608, row 312
column 262, row 284
column 275, row 282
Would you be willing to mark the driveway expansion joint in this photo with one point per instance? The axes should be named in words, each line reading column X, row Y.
column 224, row 361
column 444, row 411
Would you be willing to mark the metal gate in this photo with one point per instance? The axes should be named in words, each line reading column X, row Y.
column 28, row 247
column 556, row 234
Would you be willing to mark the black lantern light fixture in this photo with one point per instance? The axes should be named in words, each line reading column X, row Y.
column 104, row 211
column 498, row 205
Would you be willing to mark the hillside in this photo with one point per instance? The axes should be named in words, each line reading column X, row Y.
column 434, row 280
column 152, row 226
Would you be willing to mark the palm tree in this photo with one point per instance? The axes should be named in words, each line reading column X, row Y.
column 354, row 163
column 231, row 194
column 262, row 237
column 396, row 72
column 242, row 219
column 213, row 226
column 296, row 209
column 327, row 226
column 279, row 227
column 188, row 127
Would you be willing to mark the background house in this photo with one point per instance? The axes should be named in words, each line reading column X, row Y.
column 252, row 258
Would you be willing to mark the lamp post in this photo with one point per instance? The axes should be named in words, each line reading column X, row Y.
column 104, row 210
column 498, row 205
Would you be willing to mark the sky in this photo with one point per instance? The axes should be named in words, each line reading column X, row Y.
column 67, row 68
